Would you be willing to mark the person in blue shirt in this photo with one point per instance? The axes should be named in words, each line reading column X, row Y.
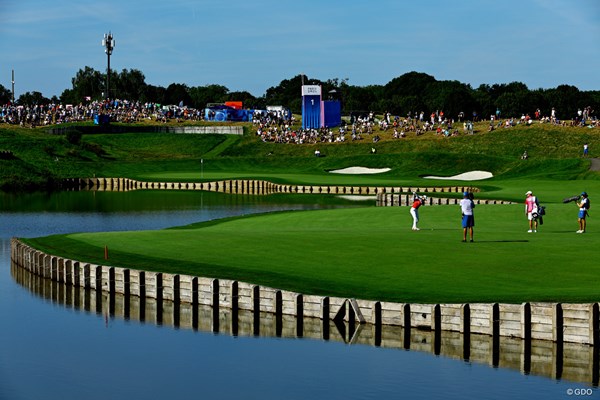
column 468, row 220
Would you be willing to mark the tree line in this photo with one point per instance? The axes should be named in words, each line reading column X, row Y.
column 412, row 92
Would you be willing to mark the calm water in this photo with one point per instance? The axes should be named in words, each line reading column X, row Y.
column 52, row 351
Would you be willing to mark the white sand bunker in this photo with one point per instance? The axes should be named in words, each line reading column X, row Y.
column 467, row 176
column 360, row 170
column 357, row 197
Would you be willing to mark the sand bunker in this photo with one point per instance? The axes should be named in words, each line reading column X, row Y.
column 467, row 176
column 360, row 170
column 357, row 197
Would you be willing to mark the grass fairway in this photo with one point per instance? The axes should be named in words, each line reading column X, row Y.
column 370, row 253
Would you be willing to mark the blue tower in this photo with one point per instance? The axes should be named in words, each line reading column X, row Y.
column 311, row 107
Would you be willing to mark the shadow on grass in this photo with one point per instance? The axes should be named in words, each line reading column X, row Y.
column 501, row 241
column 569, row 232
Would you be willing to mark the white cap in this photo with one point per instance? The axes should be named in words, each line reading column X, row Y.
column 528, row 193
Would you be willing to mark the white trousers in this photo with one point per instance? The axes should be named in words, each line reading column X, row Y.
column 415, row 214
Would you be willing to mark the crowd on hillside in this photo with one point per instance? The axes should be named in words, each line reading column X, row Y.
column 272, row 127
column 361, row 127
column 117, row 110
column 367, row 126
column 584, row 118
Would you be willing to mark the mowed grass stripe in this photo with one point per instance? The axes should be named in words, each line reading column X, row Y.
column 369, row 253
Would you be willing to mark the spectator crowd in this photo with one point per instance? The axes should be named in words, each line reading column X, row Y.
column 273, row 127
column 368, row 126
column 117, row 110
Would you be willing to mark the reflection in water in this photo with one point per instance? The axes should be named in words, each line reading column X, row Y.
column 568, row 361
column 140, row 201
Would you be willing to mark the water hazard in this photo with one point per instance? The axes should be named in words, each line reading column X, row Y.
column 63, row 342
column 574, row 362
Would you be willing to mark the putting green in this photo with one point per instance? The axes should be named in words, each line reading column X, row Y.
column 370, row 253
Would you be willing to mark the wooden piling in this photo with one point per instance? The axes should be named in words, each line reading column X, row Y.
column 551, row 322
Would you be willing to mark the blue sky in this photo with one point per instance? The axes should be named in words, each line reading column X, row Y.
column 254, row 45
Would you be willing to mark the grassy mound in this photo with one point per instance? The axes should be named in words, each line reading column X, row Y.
column 41, row 158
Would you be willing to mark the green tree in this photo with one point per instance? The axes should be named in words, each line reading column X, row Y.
column 153, row 94
column 30, row 98
column 512, row 99
column 407, row 93
column 129, row 84
column 247, row 99
column 5, row 95
column 289, row 92
column 87, row 83
column 177, row 93
column 565, row 99
column 484, row 103
column 202, row 95
column 594, row 98
column 361, row 99
column 516, row 87
column 410, row 84
column 537, row 100
column 412, row 91
column 451, row 97
column 337, row 89
column 68, row 96
column 513, row 104
column 405, row 104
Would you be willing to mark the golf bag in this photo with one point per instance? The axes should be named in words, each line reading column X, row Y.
column 570, row 199
column 539, row 214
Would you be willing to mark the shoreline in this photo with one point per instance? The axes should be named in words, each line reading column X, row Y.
column 556, row 322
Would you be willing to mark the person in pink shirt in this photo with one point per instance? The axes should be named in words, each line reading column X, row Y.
column 531, row 208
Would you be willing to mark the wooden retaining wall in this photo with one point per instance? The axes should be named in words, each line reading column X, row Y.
column 385, row 199
column 553, row 322
column 562, row 361
column 260, row 187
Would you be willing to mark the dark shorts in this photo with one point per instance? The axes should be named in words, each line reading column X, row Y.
column 582, row 214
column 468, row 221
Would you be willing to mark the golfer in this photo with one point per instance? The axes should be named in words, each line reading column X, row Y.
column 584, row 205
column 414, row 211
column 531, row 208
column 468, row 219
